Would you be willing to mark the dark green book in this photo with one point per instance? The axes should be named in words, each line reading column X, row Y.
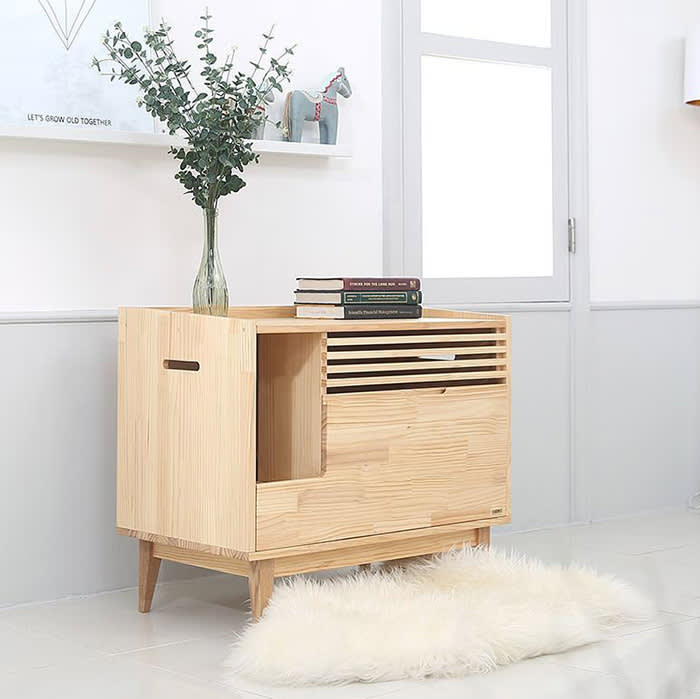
column 349, row 298
column 360, row 311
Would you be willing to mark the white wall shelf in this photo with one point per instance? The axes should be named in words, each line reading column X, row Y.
column 84, row 135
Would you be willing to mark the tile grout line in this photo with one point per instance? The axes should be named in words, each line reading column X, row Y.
column 200, row 681
column 167, row 644
column 686, row 618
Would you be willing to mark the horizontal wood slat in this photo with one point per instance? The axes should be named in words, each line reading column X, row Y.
column 416, row 378
column 420, row 364
column 423, row 338
column 415, row 352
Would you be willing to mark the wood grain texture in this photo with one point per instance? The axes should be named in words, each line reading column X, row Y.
column 261, row 573
column 149, row 567
column 414, row 352
column 281, row 319
column 423, row 338
column 186, row 462
column 415, row 365
column 461, row 531
column 182, row 543
column 260, row 585
column 296, row 325
column 483, row 536
column 396, row 460
column 373, row 551
column 398, row 545
column 307, row 557
column 258, row 312
column 415, row 378
column 507, row 343
column 437, row 313
column 201, row 559
column 290, row 375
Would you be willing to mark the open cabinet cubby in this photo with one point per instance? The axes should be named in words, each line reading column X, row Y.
column 291, row 383
column 265, row 445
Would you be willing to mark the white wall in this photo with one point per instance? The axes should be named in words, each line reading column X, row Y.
column 639, row 402
column 645, row 152
column 91, row 226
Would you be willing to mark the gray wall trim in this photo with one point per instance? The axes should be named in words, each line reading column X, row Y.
column 111, row 316
column 644, row 305
column 524, row 307
column 52, row 317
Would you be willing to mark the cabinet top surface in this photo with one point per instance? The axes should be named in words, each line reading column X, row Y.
column 281, row 319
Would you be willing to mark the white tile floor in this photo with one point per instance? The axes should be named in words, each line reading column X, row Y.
column 101, row 648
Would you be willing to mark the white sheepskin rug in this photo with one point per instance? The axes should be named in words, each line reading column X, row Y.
column 466, row 611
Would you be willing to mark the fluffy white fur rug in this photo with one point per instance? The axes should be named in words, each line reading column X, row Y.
column 462, row 612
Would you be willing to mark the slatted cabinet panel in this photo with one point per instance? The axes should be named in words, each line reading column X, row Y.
column 395, row 360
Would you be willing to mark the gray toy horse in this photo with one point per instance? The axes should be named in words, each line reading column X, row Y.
column 321, row 106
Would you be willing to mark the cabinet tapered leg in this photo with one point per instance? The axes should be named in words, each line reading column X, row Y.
column 483, row 537
column 148, row 575
column 260, row 583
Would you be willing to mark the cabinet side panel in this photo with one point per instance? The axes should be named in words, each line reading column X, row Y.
column 187, row 428
column 210, row 428
column 144, row 336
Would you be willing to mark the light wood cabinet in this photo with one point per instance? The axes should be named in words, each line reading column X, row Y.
column 264, row 445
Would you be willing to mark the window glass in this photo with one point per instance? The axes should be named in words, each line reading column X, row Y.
column 525, row 22
column 486, row 169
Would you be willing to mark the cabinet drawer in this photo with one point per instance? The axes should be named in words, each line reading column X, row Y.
column 396, row 460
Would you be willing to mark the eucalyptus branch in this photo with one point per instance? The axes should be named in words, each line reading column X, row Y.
column 218, row 121
column 116, row 58
column 263, row 51
column 169, row 47
column 286, row 52
column 229, row 59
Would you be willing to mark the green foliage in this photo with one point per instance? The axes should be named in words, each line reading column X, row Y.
column 216, row 120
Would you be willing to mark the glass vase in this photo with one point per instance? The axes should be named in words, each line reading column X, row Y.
column 210, row 293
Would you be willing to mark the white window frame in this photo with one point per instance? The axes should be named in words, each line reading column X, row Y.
column 404, row 45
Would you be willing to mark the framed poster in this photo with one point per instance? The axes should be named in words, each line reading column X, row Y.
column 49, row 86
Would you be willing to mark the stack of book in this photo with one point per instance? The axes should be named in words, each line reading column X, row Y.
column 358, row 298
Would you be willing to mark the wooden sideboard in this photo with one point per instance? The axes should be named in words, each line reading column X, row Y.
column 264, row 445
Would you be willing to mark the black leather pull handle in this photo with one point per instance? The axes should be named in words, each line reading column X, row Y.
column 180, row 365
